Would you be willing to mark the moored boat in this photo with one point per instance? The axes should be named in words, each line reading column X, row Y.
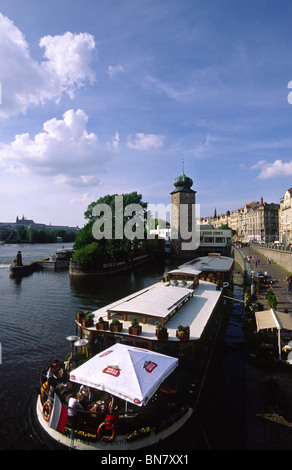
column 60, row 260
column 181, row 305
column 214, row 267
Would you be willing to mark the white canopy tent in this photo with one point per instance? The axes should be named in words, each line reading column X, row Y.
column 269, row 319
column 133, row 374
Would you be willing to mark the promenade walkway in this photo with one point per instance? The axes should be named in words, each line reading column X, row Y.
column 273, row 433
column 278, row 275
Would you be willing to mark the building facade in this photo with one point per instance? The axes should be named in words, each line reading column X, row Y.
column 285, row 218
column 257, row 221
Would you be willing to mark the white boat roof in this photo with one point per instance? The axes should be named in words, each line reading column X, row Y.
column 195, row 313
column 156, row 301
column 185, row 270
column 213, row 262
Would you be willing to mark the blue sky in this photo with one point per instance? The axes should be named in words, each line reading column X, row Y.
column 106, row 96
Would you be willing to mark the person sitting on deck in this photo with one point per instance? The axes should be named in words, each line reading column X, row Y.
column 70, row 364
column 85, row 394
column 51, row 378
column 113, row 406
column 74, row 405
column 55, row 367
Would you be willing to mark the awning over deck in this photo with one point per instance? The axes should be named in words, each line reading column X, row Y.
column 269, row 319
column 273, row 319
column 128, row 372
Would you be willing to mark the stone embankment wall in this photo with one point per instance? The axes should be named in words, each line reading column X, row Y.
column 239, row 258
column 281, row 257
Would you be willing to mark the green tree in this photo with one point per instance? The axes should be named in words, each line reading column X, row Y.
column 113, row 248
column 22, row 234
column 91, row 253
column 84, row 236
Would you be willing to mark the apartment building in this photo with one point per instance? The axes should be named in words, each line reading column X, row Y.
column 256, row 221
column 285, row 218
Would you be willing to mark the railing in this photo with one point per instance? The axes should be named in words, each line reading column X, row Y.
column 273, row 246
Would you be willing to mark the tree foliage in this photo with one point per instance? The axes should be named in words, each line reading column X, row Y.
column 88, row 249
column 22, row 234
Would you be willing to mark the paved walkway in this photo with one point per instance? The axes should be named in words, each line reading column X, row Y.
column 263, row 434
column 278, row 275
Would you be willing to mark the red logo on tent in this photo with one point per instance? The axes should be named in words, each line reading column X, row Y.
column 112, row 370
column 106, row 353
column 150, row 366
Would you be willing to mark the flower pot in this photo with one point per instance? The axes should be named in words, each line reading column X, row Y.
column 102, row 325
column 135, row 330
column 161, row 335
column 80, row 316
column 183, row 335
column 116, row 328
column 86, row 323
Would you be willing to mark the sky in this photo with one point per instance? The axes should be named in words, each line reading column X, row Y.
column 110, row 96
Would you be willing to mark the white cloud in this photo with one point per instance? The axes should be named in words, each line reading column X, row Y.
column 114, row 69
column 115, row 143
column 27, row 82
column 171, row 91
column 64, row 150
column 273, row 170
column 145, row 141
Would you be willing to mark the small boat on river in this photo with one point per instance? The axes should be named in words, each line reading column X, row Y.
column 60, row 260
column 141, row 359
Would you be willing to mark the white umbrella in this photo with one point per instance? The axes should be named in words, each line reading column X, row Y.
column 133, row 374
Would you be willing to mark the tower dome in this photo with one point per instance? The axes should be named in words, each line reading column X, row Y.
column 183, row 183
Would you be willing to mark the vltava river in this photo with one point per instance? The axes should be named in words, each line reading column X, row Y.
column 37, row 313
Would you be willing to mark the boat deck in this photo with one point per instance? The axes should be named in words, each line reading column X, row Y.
column 195, row 313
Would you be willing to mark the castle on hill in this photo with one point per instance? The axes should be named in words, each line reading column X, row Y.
column 27, row 223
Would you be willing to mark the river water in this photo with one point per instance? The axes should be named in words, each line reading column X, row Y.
column 37, row 313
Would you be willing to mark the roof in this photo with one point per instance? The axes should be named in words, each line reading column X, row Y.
column 156, row 301
column 185, row 270
column 273, row 319
column 195, row 313
column 183, row 184
column 209, row 263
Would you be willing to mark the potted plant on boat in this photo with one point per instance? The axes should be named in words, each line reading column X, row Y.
column 81, row 315
column 135, row 328
column 183, row 332
column 116, row 325
column 161, row 331
column 102, row 324
column 88, row 320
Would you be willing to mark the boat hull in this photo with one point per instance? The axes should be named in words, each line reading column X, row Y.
column 54, row 265
column 80, row 440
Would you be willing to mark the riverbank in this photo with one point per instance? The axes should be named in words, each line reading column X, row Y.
column 268, row 390
column 103, row 269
